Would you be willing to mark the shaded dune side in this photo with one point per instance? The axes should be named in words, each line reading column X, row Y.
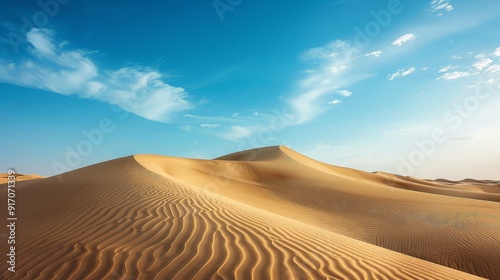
column 118, row 220
column 457, row 232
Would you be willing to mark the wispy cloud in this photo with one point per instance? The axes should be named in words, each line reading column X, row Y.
column 374, row 54
column 482, row 63
column 404, row 39
column 401, row 73
column 485, row 64
column 488, row 64
column 453, row 75
column 437, row 6
column 345, row 92
column 331, row 74
column 497, row 52
column 53, row 67
column 334, row 102
column 447, row 68
column 210, row 125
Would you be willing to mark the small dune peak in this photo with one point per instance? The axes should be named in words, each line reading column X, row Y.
column 258, row 154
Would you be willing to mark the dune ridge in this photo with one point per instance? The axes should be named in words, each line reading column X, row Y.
column 266, row 214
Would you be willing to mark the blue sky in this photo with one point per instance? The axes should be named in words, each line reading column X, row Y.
column 408, row 87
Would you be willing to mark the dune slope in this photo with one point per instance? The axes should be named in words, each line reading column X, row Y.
column 458, row 232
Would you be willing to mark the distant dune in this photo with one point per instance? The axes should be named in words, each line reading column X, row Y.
column 19, row 177
column 268, row 213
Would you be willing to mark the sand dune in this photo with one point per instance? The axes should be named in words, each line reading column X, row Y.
column 269, row 213
column 484, row 190
column 19, row 177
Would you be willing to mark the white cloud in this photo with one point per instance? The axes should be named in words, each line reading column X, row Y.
column 487, row 65
column 393, row 76
column 209, row 125
column 447, row 68
column 52, row 67
column 337, row 69
column 401, row 73
column 490, row 81
column 404, row 39
column 441, row 5
column 326, row 52
column 456, row 57
column 482, row 63
column 374, row 54
column 40, row 39
column 408, row 71
column 335, row 102
column 453, row 75
column 493, row 68
column 254, row 115
column 333, row 63
column 497, row 52
column 345, row 93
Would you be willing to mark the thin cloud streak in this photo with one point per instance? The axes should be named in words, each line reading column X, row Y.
column 404, row 39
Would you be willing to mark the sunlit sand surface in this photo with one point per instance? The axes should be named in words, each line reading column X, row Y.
column 269, row 213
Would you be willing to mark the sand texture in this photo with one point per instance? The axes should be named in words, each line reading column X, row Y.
column 269, row 213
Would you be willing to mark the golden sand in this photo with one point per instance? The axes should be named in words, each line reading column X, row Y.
column 269, row 213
